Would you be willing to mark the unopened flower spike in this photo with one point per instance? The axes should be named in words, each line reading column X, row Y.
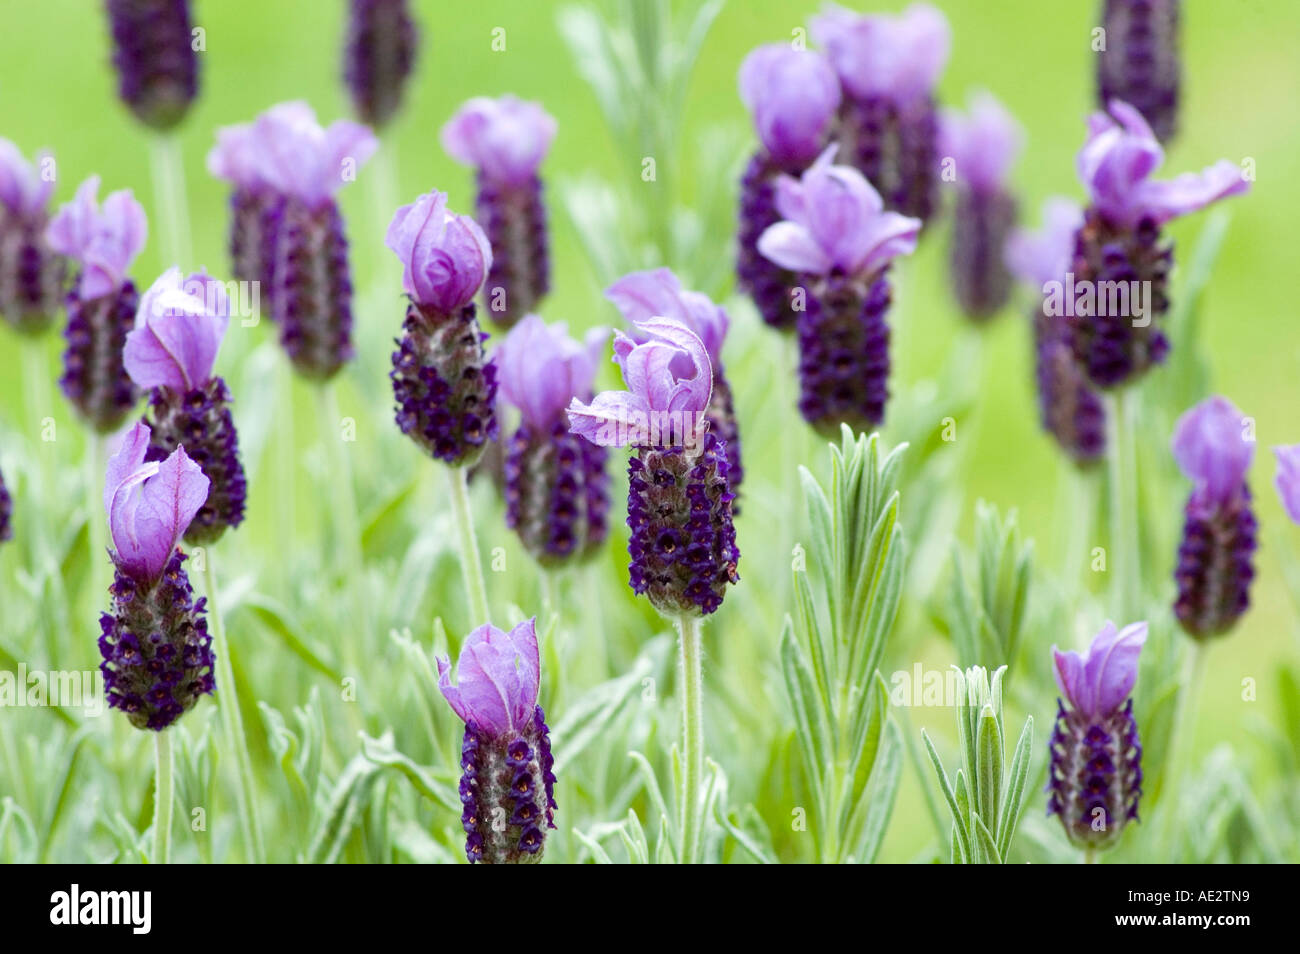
column 444, row 386
column 508, row 784
column 839, row 238
column 170, row 355
column 1140, row 63
column 683, row 542
column 556, row 488
column 1095, row 776
column 304, row 165
column 982, row 144
column 889, row 67
column 792, row 96
column 1069, row 408
column 157, row 652
column 155, row 57
column 1119, row 244
column 505, row 140
column 31, row 273
column 1214, row 448
column 103, row 241
column 378, row 55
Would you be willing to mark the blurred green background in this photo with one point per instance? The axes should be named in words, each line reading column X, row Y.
column 1241, row 82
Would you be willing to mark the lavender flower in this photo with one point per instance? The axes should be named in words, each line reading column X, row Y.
column 506, row 140
column 983, row 145
column 1140, row 62
column 171, row 354
column 1287, row 480
column 508, row 787
column 253, row 203
column 153, row 52
column 683, row 544
column 556, row 489
column 1119, row 242
column 444, row 387
column 792, row 96
column 104, row 241
column 1214, row 559
column 31, row 274
column 1069, row 409
column 838, row 236
column 155, row 643
column 6, row 512
column 1095, row 777
column 658, row 293
column 378, row 57
column 304, row 165
column 888, row 128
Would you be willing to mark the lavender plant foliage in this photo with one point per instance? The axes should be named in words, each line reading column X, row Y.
column 505, row 141
column 155, row 644
column 1215, row 568
column 1095, row 774
column 31, row 273
column 1140, row 64
column 154, row 55
column 508, row 784
column 444, row 386
column 380, row 49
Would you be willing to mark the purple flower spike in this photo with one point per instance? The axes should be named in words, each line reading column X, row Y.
column 6, row 512
column 171, row 354
column 1070, row 410
column 104, row 241
column 445, row 257
column 156, row 648
column 1119, row 244
column 505, row 140
column 838, row 235
column 556, row 488
column 381, row 45
column 792, row 96
column 153, row 52
column 889, row 67
column 1287, row 480
column 1140, row 63
column 643, row 296
column 1215, row 567
column 983, row 145
column 508, row 786
column 1095, row 779
column 253, row 204
column 31, row 274
column 683, row 542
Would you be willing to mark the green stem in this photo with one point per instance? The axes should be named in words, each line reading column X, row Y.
column 1090, row 856
column 286, row 472
column 231, row 719
column 1125, row 563
column 1078, row 502
column 471, row 567
column 347, row 524
column 1184, row 723
column 169, row 198
column 162, row 800
column 692, row 695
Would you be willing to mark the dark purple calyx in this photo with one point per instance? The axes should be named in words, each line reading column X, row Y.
column 1215, row 563
column 844, row 353
column 1095, row 777
column 444, row 386
column 557, row 494
column 1122, row 266
column 768, row 284
column 1069, row 409
column 31, row 274
column 254, row 215
column 153, row 52
column 982, row 221
column 514, row 219
column 156, row 648
column 6, row 512
column 508, row 792
column 683, row 543
column 311, row 294
column 896, row 148
column 377, row 57
column 721, row 415
column 200, row 420
column 94, row 375
column 1140, row 64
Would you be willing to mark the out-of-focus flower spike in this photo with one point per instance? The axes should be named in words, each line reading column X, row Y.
column 31, row 273
column 1140, row 63
column 6, row 512
column 154, row 54
column 379, row 53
